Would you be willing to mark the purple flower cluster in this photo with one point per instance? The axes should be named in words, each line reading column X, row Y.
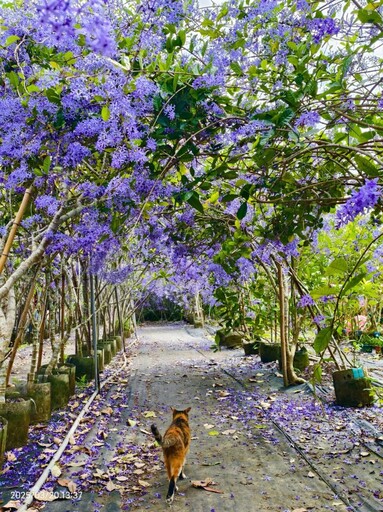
column 322, row 27
column 305, row 300
column 308, row 119
column 366, row 197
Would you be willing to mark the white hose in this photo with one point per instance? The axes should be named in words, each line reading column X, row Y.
column 40, row 482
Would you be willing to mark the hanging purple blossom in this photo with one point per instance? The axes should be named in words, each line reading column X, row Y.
column 359, row 201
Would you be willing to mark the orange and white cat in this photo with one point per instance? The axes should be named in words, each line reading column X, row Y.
column 175, row 445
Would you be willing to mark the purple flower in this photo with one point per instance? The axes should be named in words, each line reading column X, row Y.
column 305, row 300
column 308, row 119
column 48, row 203
column 322, row 27
column 359, row 201
column 169, row 111
column 319, row 320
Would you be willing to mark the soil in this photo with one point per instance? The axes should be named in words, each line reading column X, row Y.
column 264, row 448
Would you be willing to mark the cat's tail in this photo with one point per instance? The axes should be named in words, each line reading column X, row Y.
column 157, row 435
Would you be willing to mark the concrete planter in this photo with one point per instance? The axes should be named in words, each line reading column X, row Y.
column 84, row 366
column 251, row 348
column 269, row 352
column 70, row 369
column 106, row 347
column 40, row 392
column 113, row 346
column 17, row 412
column 119, row 343
column 60, row 387
column 3, row 438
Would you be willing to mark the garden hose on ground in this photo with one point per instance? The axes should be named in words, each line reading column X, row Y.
column 40, row 482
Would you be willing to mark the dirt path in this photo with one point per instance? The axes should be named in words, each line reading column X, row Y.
column 266, row 450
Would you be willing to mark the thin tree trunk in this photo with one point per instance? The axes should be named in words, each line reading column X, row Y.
column 21, row 326
column 7, row 321
column 282, row 323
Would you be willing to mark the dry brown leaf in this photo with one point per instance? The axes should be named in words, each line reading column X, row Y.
column 72, row 440
column 56, row 471
column 122, row 478
column 99, row 473
column 138, row 472
column 11, row 457
column 110, row 486
column 12, row 504
column 310, row 474
column 205, row 484
column 139, row 465
column 76, row 464
column 202, row 483
column 364, row 454
column 229, row 432
column 57, row 440
column 208, row 426
column 45, row 496
column 108, row 411
column 149, row 414
column 300, row 510
column 144, row 483
column 210, row 489
column 65, row 482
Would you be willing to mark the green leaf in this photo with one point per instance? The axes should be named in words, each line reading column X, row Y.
column 367, row 166
column 194, row 201
column 182, row 36
column 53, row 96
column 11, row 39
column 47, row 164
column 324, row 290
column 322, row 340
column 242, row 210
column 236, row 68
column 105, row 113
column 353, row 282
column 367, row 16
column 337, row 266
column 33, row 88
column 285, row 117
column 13, row 78
column 317, row 373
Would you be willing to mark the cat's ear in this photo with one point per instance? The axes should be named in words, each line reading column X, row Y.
column 188, row 409
column 172, row 409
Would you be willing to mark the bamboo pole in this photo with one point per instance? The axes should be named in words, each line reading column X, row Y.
column 15, row 225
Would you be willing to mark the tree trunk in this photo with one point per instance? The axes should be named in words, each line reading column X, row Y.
column 7, row 321
column 287, row 356
column 21, row 325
